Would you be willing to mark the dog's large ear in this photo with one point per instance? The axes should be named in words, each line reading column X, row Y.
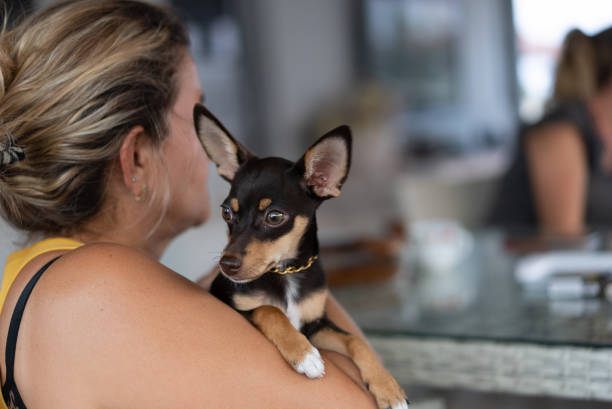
column 326, row 163
column 219, row 145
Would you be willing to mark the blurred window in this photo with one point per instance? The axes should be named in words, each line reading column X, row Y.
column 540, row 28
column 450, row 63
column 414, row 45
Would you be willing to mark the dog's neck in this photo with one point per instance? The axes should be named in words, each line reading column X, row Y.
column 308, row 250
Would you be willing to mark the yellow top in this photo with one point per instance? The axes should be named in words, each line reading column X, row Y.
column 17, row 260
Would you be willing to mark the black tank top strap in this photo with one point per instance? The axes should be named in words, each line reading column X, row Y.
column 9, row 389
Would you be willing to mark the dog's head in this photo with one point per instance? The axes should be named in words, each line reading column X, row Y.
column 272, row 201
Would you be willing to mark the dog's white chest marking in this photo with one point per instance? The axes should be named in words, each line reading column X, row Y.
column 293, row 311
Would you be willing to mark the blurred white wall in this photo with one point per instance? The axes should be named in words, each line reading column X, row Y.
column 486, row 101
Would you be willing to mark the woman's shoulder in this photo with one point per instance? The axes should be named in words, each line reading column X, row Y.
column 107, row 275
column 106, row 254
column 102, row 270
column 565, row 125
column 110, row 262
column 105, row 310
column 114, row 286
column 105, row 288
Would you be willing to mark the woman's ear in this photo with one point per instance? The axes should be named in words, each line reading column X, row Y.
column 136, row 158
column 326, row 163
column 219, row 145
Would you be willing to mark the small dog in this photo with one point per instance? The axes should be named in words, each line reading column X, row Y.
column 270, row 268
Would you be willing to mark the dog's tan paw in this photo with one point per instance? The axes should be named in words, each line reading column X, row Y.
column 388, row 393
column 312, row 365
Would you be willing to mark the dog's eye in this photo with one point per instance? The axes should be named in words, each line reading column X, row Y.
column 275, row 217
column 227, row 213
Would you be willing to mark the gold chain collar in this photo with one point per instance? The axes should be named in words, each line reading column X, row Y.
column 293, row 269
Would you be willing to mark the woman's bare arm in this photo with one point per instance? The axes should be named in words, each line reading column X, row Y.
column 128, row 333
column 558, row 175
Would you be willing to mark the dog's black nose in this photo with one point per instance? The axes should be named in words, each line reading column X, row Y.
column 230, row 264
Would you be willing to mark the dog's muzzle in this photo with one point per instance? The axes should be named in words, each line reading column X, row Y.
column 230, row 265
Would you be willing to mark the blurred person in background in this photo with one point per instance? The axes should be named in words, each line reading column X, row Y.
column 100, row 162
column 560, row 181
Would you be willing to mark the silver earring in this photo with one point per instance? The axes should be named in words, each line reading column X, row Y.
column 133, row 179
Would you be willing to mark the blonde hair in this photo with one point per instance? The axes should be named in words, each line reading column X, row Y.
column 584, row 67
column 74, row 79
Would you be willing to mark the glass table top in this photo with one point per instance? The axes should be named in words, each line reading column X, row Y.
column 480, row 299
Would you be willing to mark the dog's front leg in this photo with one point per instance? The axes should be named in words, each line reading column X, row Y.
column 293, row 345
column 384, row 387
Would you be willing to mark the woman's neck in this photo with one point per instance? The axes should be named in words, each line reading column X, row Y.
column 128, row 226
column 153, row 247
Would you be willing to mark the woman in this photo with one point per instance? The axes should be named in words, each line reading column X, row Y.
column 100, row 158
column 561, row 179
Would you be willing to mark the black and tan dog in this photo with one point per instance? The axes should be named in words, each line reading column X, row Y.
column 270, row 268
